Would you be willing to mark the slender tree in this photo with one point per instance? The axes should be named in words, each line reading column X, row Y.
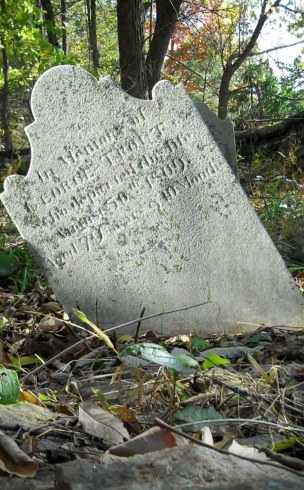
column 92, row 33
column 48, row 14
column 140, row 72
column 5, row 88
column 64, row 36
column 130, row 20
column 235, row 61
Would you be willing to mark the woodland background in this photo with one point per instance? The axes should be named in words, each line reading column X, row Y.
column 213, row 47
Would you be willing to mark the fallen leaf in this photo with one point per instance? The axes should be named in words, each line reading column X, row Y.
column 26, row 415
column 152, row 440
column 28, row 396
column 102, row 424
column 9, row 386
column 231, row 352
column 49, row 324
column 267, row 377
column 53, row 306
column 13, row 460
column 207, row 437
column 248, row 451
column 213, row 360
column 195, row 413
column 159, row 355
column 29, row 444
column 4, row 356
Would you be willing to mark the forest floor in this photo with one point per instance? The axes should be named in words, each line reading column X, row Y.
column 86, row 393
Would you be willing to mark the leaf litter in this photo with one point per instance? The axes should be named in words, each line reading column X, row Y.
column 238, row 393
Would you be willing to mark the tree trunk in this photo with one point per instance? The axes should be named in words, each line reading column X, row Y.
column 65, row 48
column 131, row 18
column 224, row 93
column 4, row 92
column 233, row 66
column 166, row 17
column 91, row 13
column 50, row 18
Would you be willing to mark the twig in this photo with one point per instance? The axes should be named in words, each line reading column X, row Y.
column 139, row 324
column 284, row 459
column 243, row 421
column 162, row 424
column 155, row 315
column 90, row 337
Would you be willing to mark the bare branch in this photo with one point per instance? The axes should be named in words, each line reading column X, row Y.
column 185, row 66
column 257, row 53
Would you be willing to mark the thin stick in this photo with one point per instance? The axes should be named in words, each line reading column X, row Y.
column 155, row 315
column 90, row 337
column 162, row 424
column 139, row 324
column 242, row 421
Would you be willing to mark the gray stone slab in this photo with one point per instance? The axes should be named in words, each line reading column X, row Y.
column 130, row 203
column 44, row 480
column 222, row 131
column 191, row 467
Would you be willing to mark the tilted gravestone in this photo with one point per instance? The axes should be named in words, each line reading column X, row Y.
column 222, row 132
column 130, row 204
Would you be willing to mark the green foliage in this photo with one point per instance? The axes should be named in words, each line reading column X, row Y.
column 106, row 33
column 17, row 266
column 29, row 53
column 198, row 344
column 254, row 339
column 181, row 363
column 278, row 199
column 9, row 386
column 286, row 444
column 195, row 413
column 8, row 263
column 213, row 360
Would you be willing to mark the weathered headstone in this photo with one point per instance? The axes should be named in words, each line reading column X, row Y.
column 130, row 203
column 223, row 133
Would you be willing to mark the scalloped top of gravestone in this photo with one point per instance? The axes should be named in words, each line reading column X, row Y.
column 130, row 203
column 222, row 131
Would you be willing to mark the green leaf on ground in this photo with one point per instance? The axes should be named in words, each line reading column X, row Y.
column 195, row 413
column 8, row 264
column 9, row 387
column 159, row 355
column 287, row 444
column 214, row 360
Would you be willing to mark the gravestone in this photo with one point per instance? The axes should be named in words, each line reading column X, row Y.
column 130, row 203
column 222, row 131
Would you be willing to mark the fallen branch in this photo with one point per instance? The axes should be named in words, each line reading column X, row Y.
column 162, row 424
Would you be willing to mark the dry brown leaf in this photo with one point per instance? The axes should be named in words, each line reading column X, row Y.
column 260, row 370
column 49, row 324
column 53, row 306
column 29, row 444
column 102, row 424
column 4, row 357
column 13, row 460
column 152, row 440
column 28, row 396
